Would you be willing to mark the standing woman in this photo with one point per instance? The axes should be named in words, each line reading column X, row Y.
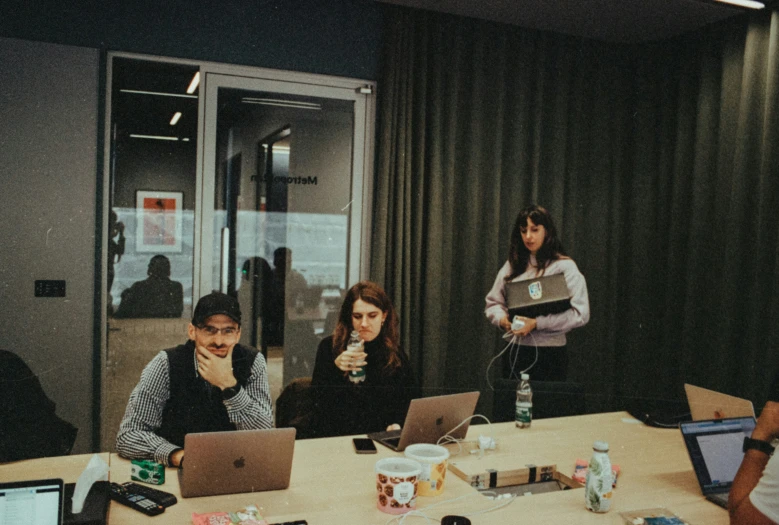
column 536, row 251
column 381, row 401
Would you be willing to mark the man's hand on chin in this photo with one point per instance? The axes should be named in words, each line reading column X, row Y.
column 216, row 370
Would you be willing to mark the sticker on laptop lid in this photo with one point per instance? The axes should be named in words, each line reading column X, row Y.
column 535, row 290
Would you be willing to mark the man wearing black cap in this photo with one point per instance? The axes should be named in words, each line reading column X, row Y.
column 210, row 383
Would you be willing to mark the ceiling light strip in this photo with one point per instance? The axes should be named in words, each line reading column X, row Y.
column 152, row 137
column 282, row 101
column 157, row 93
column 282, row 105
column 744, row 3
column 175, row 119
column 194, row 83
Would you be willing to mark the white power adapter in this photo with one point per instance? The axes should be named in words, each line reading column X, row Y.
column 486, row 443
column 517, row 323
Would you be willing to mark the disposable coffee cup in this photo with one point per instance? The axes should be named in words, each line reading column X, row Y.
column 433, row 459
column 397, row 484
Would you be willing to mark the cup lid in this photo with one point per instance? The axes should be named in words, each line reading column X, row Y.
column 600, row 446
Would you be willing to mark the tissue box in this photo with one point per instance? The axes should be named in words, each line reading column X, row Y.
column 95, row 507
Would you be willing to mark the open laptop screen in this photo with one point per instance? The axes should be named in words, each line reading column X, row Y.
column 715, row 449
column 35, row 502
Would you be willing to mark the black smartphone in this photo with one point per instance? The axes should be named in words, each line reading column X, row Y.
column 364, row 446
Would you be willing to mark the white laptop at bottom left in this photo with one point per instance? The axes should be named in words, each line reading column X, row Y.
column 39, row 501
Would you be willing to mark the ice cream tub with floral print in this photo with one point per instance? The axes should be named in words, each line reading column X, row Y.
column 397, row 483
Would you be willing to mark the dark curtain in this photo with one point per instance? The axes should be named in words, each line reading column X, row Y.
column 657, row 162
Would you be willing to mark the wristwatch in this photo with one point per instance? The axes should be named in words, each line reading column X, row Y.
column 229, row 393
column 758, row 444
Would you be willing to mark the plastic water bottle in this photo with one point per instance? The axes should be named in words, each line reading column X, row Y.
column 524, row 407
column 355, row 343
column 598, row 486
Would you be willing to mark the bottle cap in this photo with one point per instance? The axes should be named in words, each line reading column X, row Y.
column 600, row 446
column 525, row 377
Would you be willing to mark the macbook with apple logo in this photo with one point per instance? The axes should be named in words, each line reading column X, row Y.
column 237, row 461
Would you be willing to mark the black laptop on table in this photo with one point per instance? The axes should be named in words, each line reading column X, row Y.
column 715, row 449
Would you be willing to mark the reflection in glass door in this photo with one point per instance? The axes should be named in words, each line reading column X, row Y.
column 282, row 210
column 151, row 231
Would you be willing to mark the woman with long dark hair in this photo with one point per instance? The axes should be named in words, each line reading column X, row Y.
column 380, row 402
column 536, row 251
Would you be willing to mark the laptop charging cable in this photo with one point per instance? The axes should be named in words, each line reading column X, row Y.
column 485, row 442
column 512, row 347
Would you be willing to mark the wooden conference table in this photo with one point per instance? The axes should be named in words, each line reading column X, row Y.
column 333, row 485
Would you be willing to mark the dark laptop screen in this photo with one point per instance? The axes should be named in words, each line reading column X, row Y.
column 715, row 450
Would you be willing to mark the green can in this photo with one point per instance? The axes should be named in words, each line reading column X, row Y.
column 147, row 471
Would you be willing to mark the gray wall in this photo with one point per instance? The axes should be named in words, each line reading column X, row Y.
column 331, row 37
column 48, row 141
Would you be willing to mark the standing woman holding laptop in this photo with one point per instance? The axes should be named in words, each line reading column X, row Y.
column 536, row 251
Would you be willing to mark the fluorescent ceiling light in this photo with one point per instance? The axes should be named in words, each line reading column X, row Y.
column 175, row 119
column 744, row 3
column 277, row 149
column 152, row 137
column 158, row 93
column 282, row 103
column 194, row 83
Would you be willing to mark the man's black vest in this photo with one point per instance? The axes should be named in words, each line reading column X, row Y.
column 194, row 404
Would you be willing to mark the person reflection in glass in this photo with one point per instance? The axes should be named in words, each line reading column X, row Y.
column 259, row 298
column 115, row 250
column 155, row 296
column 291, row 282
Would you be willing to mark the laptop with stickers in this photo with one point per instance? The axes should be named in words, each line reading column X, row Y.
column 539, row 296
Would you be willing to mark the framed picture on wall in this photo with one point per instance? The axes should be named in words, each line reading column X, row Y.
column 158, row 221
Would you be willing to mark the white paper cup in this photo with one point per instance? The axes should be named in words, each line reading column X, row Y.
column 397, row 484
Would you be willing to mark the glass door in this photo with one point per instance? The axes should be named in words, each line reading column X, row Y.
column 282, row 209
column 150, row 200
column 227, row 178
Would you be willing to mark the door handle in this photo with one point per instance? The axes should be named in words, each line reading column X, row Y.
column 225, row 259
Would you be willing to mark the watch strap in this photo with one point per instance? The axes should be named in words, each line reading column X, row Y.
column 758, row 444
column 229, row 393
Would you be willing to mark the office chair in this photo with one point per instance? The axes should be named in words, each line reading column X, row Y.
column 29, row 427
column 294, row 407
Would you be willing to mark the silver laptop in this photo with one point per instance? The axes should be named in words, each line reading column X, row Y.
column 430, row 418
column 236, row 461
column 539, row 296
column 41, row 501
column 715, row 449
column 710, row 404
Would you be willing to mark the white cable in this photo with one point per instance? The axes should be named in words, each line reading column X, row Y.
column 509, row 345
column 513, row 347
column 401, row 519
column 449, row 439
column 534, row 360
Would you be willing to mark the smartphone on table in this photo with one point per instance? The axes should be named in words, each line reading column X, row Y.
column 364, row 446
